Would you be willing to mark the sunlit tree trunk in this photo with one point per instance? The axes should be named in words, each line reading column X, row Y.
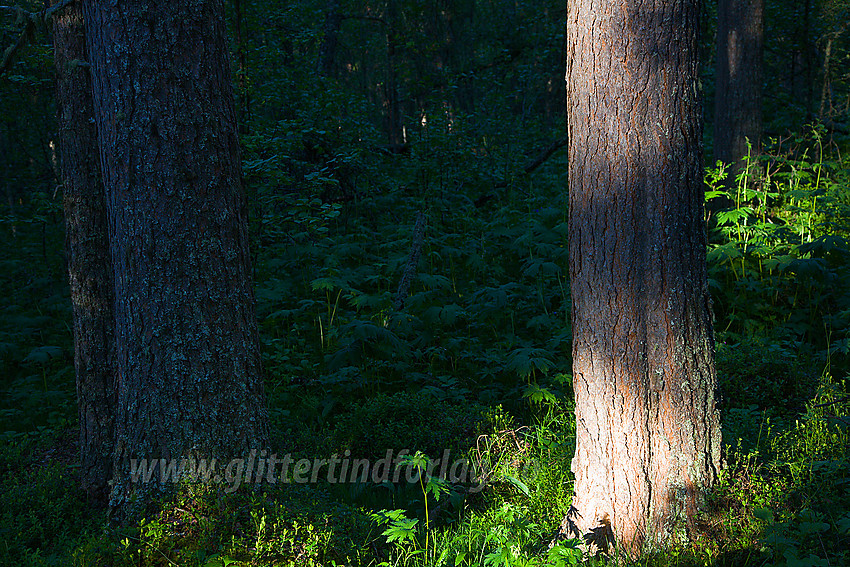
column 87, row 247
column 648, row 436
column 187, row 349
column 737, row 105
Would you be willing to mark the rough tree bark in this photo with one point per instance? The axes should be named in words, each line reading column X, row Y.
column 187, row 349
column 87, row 247
column 737, row 103
column 648, row 436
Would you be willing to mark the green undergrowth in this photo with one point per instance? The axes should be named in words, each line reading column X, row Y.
column 44, row 515
column 781, row 500
column 475, row 362
column 779, row 254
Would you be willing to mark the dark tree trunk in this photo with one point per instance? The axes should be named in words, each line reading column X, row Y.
column 808, row 57
column 87, row 244
column 737, row 104
column 457, row 52
column 394, row 125
column 189, row 375
column 648, row 435
column 330, row 38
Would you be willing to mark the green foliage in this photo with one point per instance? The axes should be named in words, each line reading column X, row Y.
column 43, row 514
column 201, row 526
column 407, row 422
column 36, row 350
column 511, row 520
column 784, row 499
column 778, row 258
column 478, row 360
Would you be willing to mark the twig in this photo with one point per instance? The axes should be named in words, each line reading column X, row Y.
column 41, row 14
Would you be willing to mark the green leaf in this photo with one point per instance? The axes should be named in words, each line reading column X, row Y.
column 401, row 530
column 811, row 561
column 734, row 216
column 42, row 354
column 539, row 395
column 220, row 561
column 779, row 262
column 824, row 244
column 709, row 195
column 565, row 554
column 418, row 461
column 763, row 514
column 524, row 361
column 501, row 556
column 728, row 251
column 437, row 487
column 521, row 486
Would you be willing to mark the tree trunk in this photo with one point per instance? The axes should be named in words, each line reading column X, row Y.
column 87, row 246
column 187, row 348
column 648, row 435
column 330, row 38
column 394, row 124
column 737, row 104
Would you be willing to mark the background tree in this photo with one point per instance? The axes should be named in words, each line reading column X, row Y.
column 87, row 248
column 186, row 336
column 737, row 100
column 647, row 431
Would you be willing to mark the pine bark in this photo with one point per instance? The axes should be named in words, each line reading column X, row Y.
column 648, row 436
column 87, row 248
column 737, row 105
column 187, row 349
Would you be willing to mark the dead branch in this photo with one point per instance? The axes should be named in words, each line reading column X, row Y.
column 412, row 262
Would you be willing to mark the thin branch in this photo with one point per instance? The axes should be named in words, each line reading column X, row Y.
column 41, row 14
column 9, row 55
column 365, row 18
column 539, row 160
column 838, row 401
column 546, row 154
column 48, row 13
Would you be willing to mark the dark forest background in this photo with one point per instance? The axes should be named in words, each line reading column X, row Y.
column 360, row 120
